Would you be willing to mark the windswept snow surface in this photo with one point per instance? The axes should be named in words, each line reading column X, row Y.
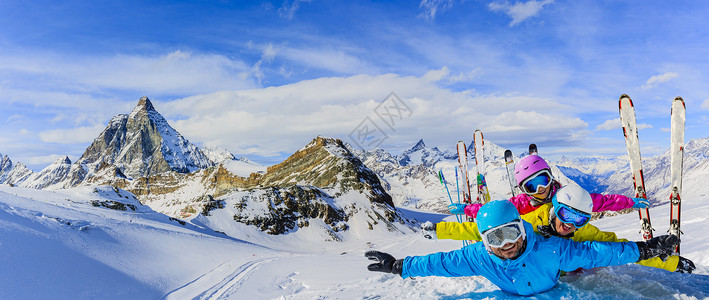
column 56, row 244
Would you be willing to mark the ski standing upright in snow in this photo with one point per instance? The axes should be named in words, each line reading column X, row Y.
column 510, row 165
column 463, row 167
column 630, row 131
column 478, row 142
column 676, row 160
column 533, row 149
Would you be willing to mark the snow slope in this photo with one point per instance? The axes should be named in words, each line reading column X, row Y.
column 56, row 244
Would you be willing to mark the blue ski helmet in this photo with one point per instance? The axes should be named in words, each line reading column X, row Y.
column 496, row 213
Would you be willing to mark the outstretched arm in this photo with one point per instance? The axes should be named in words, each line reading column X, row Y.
column 589, row 255
column 447, row 264
column 592, row 233
column 520, row 201
column 616, row 202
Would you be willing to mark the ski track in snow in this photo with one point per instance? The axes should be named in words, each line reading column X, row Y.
column 228, row 280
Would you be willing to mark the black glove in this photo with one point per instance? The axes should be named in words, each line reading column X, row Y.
column 685, row 266
column 428, row 230
column 662, row 246
column 385, row 262
column 546, row 230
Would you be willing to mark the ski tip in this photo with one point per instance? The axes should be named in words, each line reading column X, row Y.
column 678, row 98
column 533, row 149
column 620, row 101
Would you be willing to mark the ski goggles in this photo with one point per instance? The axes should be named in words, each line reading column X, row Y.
column 569, row 215
column 532, row 184
column 497, row 237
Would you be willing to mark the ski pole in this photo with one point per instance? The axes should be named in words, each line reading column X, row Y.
column 457, row 188
column 443, row 182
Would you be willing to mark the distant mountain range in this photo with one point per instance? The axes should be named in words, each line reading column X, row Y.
column 327, row 184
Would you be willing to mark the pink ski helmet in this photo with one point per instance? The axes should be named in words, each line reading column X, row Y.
column 529, row 165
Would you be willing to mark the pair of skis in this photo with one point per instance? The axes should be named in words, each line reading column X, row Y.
column 510, row 165
column 483, row 194
column 627, row 117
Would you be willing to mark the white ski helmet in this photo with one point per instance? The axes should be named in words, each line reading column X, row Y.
column 575, row 197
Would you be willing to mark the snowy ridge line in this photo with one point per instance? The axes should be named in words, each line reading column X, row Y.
column 202, row 287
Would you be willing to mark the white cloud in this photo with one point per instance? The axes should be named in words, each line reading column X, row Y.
column 519, row 11
column 524, row 127
column 436, row 75
column 334, row 60
column 612, row 124
column 465, row 76
column 177, row 73
column 705, row 104
column 277, row 120
column 289, row 7
column 657, row 79
column 432, row 7
column 644, row 126
column 72, row 135
column 267, row 56
column 15, row 117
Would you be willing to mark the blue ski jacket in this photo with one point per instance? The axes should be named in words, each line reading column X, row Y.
column 535, row 271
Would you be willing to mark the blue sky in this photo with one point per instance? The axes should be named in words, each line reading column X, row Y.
column 262, row 78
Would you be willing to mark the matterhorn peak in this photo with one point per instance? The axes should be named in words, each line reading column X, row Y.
column 143, row 144
column 144, row 107
column 145, row 104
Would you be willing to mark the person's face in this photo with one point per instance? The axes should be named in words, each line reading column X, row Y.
column 543, row 193
column 509, row 250
column 562, row 228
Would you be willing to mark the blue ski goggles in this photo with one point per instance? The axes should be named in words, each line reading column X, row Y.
column 532, row 184
column 497, row 237
column 569, row 215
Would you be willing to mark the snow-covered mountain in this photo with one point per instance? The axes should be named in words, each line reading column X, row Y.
column 323, row 185
column 217, row 154
column 241, row 166
column 51, row 176
column 592, row 173
column 141, row 144
column 13, row 173
column 419, row 154
column 415, row 183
